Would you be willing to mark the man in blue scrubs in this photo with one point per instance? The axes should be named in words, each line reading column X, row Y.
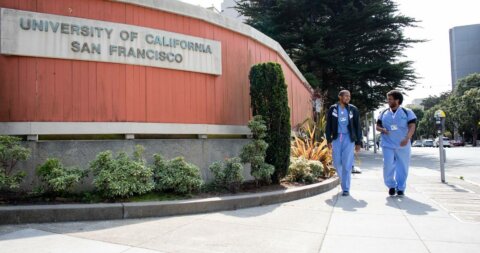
column 343, row 135
column 397, row 125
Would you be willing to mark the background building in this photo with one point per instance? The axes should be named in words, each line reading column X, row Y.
column 464, row 51
column 417, row 102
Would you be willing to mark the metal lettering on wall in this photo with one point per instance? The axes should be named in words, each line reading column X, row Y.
column 53, row 36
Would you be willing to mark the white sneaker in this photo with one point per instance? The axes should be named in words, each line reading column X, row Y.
column 356, row 170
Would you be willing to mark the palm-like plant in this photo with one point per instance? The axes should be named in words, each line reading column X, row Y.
column 311, row 148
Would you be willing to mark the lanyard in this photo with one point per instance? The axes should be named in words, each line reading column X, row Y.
column 394, row 113
column 339, row 109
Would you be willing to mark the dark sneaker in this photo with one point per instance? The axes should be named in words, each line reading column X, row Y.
column 400, row 193
column 345, row 194
column 391, row 191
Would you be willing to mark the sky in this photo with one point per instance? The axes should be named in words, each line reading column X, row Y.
column 432, row 58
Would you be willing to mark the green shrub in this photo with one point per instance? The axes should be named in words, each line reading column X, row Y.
column 255, row 152
column 304, row 171
column 228, row 175
column 159, row 165
column 176, row 175
column 269, row 98
column 56, row 178
column 264, row 172
column 299, row 171
column 11, row 152
column 316, row 167
column 122, row 176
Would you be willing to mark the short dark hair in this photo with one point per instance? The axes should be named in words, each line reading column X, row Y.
column 396, row 95
column 343, row 92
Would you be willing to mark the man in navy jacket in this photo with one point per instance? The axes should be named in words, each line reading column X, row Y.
column 344, row 134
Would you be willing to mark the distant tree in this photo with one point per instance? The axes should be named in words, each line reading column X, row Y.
column 431, row 101
column 465, row 110
column 419, row 112
column 426, row 126
column 467, row 83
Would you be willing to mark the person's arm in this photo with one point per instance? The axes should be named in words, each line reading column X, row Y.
column 380, row 127
column 412, row 123
column 411, row 131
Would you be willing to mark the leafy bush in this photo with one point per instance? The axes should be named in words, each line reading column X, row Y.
column 255, row 152
column 269, row 98
column 228, row 175
column 299, row 171
column 176, row 175
column 56, row 178
column 316, row 167
column 122, row 176
column 264, row 171
column 11, row 152
column 304, row 171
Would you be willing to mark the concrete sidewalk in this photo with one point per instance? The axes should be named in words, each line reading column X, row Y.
column 428, row 219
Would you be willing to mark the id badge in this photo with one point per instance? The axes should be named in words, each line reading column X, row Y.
column 394, row 127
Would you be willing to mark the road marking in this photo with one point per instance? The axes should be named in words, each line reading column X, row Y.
column 460, row 202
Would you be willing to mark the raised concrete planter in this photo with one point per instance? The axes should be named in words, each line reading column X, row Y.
column 60, row 213
column 82, row 212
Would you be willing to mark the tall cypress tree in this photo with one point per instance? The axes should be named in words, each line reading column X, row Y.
column 350, row 44
column 269, row 99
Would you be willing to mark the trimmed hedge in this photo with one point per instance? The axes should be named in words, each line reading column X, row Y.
column 255, row 152
column 269, row 98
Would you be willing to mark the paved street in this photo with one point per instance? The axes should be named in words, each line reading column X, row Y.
column 433, row 217
column 461, row 161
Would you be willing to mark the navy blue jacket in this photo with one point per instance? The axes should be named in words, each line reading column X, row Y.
column 354, row 126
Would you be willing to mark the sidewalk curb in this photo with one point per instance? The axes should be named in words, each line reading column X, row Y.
column 85, row 212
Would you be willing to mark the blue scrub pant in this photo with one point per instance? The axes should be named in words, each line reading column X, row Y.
column 343, row 155
column 395, row 167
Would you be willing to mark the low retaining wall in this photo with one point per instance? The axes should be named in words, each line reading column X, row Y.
column 201, row 152
column 83, row 212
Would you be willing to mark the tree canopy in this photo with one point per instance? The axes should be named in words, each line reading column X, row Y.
column 349, row 44
column 466, row 83
column 431, row 101
column 462, row 108
column 465, row 110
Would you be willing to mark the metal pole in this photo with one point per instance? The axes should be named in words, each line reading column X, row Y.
column 367, row 128
column 374, row 134
column 442, row 151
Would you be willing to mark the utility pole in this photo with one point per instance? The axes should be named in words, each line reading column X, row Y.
column 367, row 127
column 374, row 134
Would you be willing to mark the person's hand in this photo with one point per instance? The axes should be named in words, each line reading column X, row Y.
column 357, row 148
column 404, row 142
column 329, row 145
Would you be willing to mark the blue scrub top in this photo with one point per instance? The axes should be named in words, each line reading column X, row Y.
column 342, row 120
column 397, row 126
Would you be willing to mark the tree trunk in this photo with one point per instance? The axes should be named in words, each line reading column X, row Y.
column 475, row 136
